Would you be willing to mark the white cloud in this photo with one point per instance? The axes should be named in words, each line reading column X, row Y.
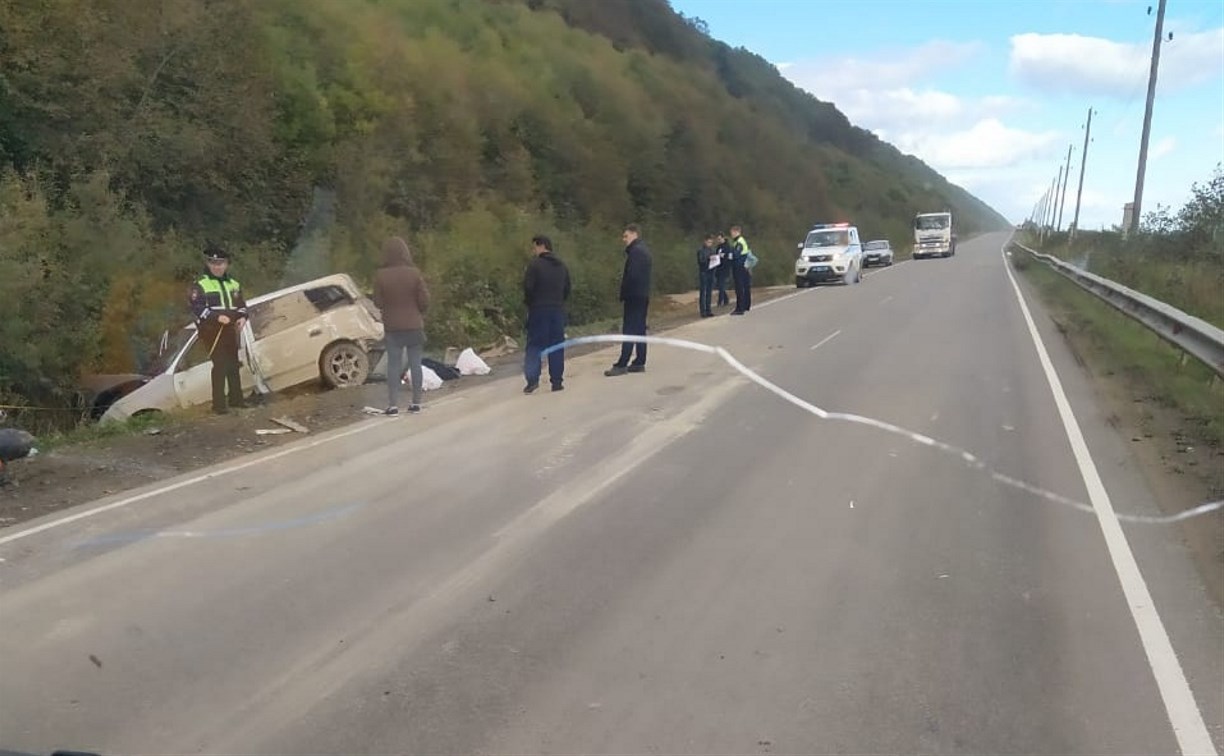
column 1073, row 63
column 888, row 96
column 832, row 75
column 987, row 144
column 1164, row 147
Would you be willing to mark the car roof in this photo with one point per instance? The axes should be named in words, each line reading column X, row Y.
column 343, row 280
column 878, row 241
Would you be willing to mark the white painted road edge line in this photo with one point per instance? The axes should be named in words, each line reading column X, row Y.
column 1184, row 715
column 825, row 340
column 215, row 473
column 799, row 293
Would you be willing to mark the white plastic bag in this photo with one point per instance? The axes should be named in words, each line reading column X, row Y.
column 469, row 363
column 429, row 379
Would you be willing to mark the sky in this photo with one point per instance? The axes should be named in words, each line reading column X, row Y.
column 991, row 94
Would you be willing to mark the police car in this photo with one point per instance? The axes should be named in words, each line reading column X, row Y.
column 831, row 252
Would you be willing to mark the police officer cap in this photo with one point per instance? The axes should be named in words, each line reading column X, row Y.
column 213, row 253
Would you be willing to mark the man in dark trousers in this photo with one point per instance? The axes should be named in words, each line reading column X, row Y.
column 220, row 312
column 546, row 289
column 741, row 271
column 635, row 294
column 723, row 273
column 705, row 276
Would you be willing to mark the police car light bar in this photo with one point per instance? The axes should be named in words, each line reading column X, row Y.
column 830, row 225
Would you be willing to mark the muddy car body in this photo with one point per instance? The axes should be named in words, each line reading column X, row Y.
column 323, row 329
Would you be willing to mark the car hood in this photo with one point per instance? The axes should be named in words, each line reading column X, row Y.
column 826, row 250
column 98, row 383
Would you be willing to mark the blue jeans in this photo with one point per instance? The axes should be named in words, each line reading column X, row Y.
column 705, row 280
column 545, row 327
column 400, row 343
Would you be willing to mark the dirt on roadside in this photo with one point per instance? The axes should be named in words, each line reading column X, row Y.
column 80, row 473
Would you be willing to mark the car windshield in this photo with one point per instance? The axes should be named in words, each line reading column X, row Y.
column 840, row 238
column 174, row 344
column 876, row 245
column 931, row 222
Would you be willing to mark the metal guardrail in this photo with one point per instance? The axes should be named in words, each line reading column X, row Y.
column 1193, row 335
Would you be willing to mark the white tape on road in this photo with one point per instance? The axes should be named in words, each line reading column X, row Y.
column 1184, row 715
column 968, row 458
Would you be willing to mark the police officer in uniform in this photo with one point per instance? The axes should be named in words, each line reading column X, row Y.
column 220, row 312
column 741, row 271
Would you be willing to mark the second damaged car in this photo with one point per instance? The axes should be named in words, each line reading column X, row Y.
column 325, row 329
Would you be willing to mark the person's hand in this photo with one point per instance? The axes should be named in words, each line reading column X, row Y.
column 223, row 319
column 241, row 323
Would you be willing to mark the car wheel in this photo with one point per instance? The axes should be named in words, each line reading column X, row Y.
column 344, row 365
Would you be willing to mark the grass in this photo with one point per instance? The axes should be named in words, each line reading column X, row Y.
column 90, row 432
column 1192, row 284
column 1112, row 343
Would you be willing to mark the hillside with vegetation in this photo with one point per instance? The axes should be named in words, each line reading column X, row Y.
column 299, row 133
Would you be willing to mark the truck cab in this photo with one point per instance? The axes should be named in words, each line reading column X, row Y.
column 934, row 235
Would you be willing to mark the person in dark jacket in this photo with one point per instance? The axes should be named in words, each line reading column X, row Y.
column 220, row 312
column 546, row 289
column 705, row 276
column 401, row 295
column 723, row 273
column 635, row 295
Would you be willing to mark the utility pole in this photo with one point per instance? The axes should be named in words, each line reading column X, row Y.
column 1054, row 205
column 1062, row 202
column 1045, row 211
column 1147, row 118
column 1083, row 163
column 1050, row 205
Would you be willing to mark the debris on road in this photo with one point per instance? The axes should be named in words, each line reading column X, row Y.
column 290, row 424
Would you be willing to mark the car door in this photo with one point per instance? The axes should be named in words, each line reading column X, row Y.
column 287, row 339
column 193, row 373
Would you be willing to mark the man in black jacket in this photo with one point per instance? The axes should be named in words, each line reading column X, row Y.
column 635, row 294
column 546, row 289
column 723, row 273
column 705, row 276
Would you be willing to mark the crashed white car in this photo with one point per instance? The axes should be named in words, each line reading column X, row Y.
column 323, row 329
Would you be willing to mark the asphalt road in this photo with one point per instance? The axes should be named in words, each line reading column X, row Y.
column 672, row 562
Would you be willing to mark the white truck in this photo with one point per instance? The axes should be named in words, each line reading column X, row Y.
column 934, row 235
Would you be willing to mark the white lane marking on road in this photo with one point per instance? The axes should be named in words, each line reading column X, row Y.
column 799, row 293
column 1184, row 715
column 968, row 458
column 212, row 474
column 886, row 299
column 825, row 340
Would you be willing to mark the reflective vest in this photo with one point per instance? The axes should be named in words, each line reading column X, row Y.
column 219, row 293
